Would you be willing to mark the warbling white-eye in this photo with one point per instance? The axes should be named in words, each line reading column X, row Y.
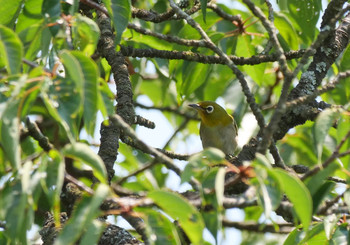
column 218, row 128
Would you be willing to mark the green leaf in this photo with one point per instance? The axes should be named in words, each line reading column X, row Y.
column 93, row 233
column 84, row 153
column 10, row 131
column 85, row 34
column 286, row 30
column 11, row 50
column 69, row 91
column 219, row 186
column 179, row 209
column 160, row 227
column 16, row 227
column 294, row 237
column 321, row 127
column 315, row 235
column 90, row 83
column 120, row 12
column 306, row 13
column 341, row 235
column 330, row 221
column 314, row 183
column 268, row 186
column 194, row 75
column 30, row 15
column 9, row 12
column 204, row 8
column 85, row 212
column 198, row 166
column 50, row 105
column 51, row 10
column 298, row 194
column 321, row 193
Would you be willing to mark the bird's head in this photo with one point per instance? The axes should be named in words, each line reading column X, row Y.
column 212, row 114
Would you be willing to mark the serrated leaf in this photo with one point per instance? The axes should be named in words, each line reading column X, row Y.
column 321, row 127
column 179, row 209
column 298, row 194
column 82, row 152
column 85, row 212
column 120, row 12
column 11, row 50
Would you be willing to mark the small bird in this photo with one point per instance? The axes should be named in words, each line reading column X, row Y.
column 218, row 129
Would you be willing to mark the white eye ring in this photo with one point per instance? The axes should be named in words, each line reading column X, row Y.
column 209, row 109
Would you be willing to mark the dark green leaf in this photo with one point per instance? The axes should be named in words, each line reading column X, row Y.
column 306, row 13
column 204, row 8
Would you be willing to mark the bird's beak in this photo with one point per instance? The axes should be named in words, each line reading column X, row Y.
column 195, row 106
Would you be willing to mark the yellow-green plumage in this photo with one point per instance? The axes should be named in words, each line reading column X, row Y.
column 218, row 129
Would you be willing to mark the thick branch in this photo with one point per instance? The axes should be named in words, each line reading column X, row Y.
column 110, row 134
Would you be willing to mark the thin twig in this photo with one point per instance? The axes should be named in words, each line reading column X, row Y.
column 246, row 90
column 335, row 155
column 119, row 122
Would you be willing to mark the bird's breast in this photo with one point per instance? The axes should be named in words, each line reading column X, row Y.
column 221, row 137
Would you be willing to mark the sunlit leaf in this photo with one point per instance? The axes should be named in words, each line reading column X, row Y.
column 10, row 11
column 11, row 50
column 82, row 152
column 298, row 194
column 179, row 209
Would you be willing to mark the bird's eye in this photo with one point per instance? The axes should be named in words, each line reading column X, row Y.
column 209, row 109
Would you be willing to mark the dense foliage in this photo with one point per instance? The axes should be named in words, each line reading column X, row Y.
column 281, row 68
